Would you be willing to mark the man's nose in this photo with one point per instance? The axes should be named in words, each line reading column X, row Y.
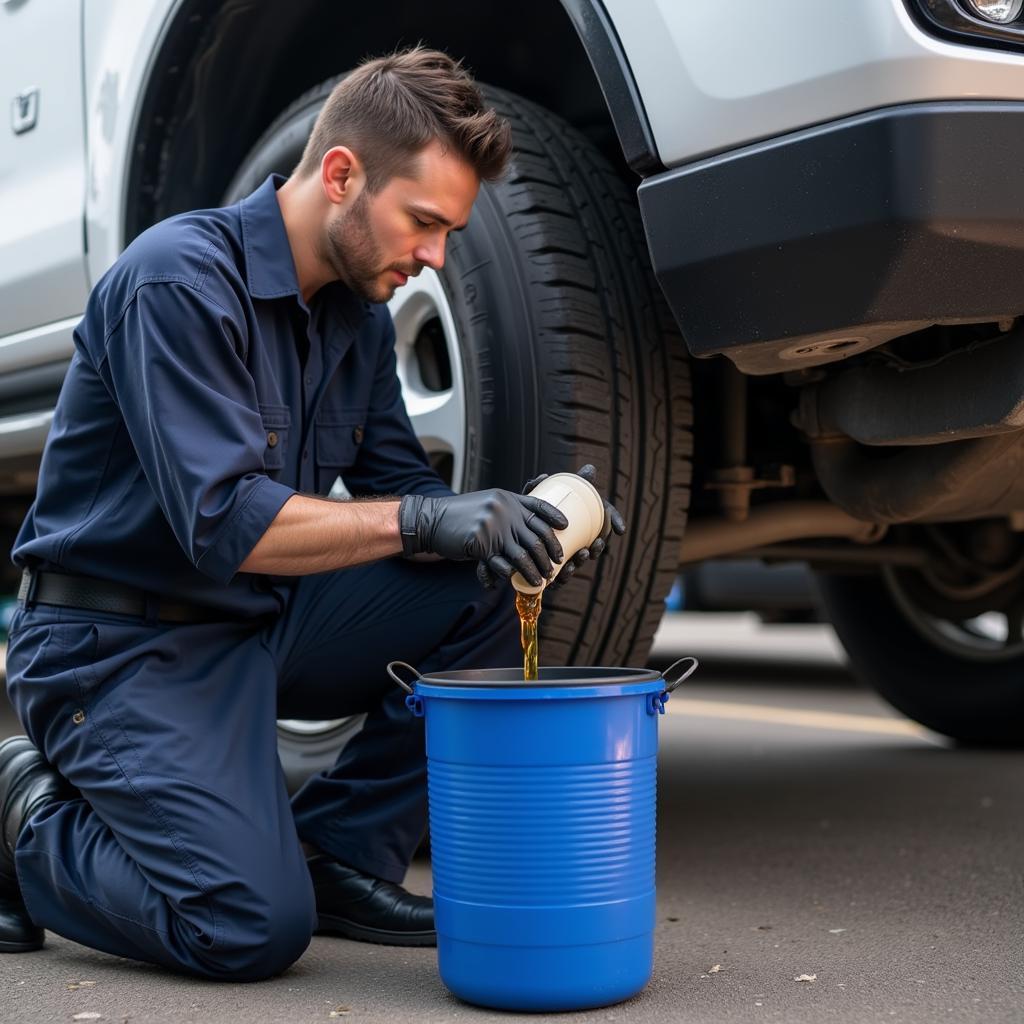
column 430, row 254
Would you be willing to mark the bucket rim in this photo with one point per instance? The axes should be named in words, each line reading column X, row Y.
column 553, row 680
column 548, row 676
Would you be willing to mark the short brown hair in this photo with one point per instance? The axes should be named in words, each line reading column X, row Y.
column 390, row 108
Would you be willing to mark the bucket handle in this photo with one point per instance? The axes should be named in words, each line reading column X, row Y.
column 669, row 687
column 392, row 665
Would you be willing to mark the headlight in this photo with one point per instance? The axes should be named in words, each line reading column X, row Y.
column 1000, row 11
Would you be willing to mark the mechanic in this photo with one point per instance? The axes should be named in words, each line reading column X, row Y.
column 187, row 581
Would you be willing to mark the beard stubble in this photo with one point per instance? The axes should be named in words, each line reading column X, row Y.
column 354, row 255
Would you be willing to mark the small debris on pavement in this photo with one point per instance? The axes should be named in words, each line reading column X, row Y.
column 73, row 986
column 87, row 1016
column 715, row 969
column 836, row 931
column 672, row 919
column 806, row 977
column 340, row 1011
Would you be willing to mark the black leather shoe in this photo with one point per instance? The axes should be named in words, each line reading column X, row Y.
column 27, row 783
column 368, row 909
column 17, row 932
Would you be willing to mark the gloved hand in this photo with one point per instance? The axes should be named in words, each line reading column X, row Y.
column 504, row 530
column 612, row 521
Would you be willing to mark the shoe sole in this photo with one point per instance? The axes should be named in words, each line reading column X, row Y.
column 329, row 925
column 19, row 947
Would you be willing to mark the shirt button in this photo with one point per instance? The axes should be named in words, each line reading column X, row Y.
column 357, row 435
column 272, row 439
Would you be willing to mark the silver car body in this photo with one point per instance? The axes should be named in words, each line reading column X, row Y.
column 712, row 78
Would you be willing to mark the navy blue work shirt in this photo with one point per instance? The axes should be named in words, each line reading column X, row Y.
column 203, row 393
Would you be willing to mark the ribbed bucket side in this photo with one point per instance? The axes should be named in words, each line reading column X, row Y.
column 542, row 823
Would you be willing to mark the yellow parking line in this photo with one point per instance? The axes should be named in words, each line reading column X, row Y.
column 796, row 716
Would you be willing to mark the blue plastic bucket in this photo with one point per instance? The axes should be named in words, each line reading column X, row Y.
column 542, row 821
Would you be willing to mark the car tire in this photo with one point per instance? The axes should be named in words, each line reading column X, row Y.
column 974, row 701
column 568, row 355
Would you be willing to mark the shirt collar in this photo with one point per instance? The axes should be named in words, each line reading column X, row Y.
column 269, row 267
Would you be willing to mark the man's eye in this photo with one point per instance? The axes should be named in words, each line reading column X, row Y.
column 422, row 223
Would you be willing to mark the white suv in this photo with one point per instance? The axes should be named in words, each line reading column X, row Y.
column 824, row 364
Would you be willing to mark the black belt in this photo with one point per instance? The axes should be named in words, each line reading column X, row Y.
column 94, row 595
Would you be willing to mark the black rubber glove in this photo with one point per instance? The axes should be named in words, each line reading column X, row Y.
column 613, row 521
column 505, row 531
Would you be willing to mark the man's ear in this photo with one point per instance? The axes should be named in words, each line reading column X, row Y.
column 341, row 175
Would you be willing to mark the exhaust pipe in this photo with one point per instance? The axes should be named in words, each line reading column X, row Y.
column 774, row 524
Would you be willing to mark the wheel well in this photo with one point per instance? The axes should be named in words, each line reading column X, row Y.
column 225, row 70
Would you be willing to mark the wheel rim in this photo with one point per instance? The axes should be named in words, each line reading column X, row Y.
column 301, row 729
column 430, row 370
column 995, row 635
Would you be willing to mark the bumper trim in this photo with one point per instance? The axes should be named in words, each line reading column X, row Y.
column 814, row 246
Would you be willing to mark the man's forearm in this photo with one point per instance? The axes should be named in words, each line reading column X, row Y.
column 311, row 535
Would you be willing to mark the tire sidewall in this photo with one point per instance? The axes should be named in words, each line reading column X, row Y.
column 569, row 355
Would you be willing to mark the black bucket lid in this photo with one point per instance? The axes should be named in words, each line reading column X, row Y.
column 571, row 675
column 567, row 676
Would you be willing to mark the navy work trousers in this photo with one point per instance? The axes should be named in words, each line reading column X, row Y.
column 184, row 849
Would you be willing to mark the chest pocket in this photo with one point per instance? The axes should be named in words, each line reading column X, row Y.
column 277, row 421
column 339, row 439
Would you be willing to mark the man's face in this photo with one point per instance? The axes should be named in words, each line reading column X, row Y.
column 378, row 242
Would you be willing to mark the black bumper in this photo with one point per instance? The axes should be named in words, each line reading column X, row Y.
column 811, row 247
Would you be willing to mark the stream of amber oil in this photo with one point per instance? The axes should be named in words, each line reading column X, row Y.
column 528, row 607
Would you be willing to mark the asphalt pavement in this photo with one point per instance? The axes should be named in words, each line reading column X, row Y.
column 806, row 831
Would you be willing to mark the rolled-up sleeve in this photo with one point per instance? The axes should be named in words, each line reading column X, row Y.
column 175, row 362
column 391, row 459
